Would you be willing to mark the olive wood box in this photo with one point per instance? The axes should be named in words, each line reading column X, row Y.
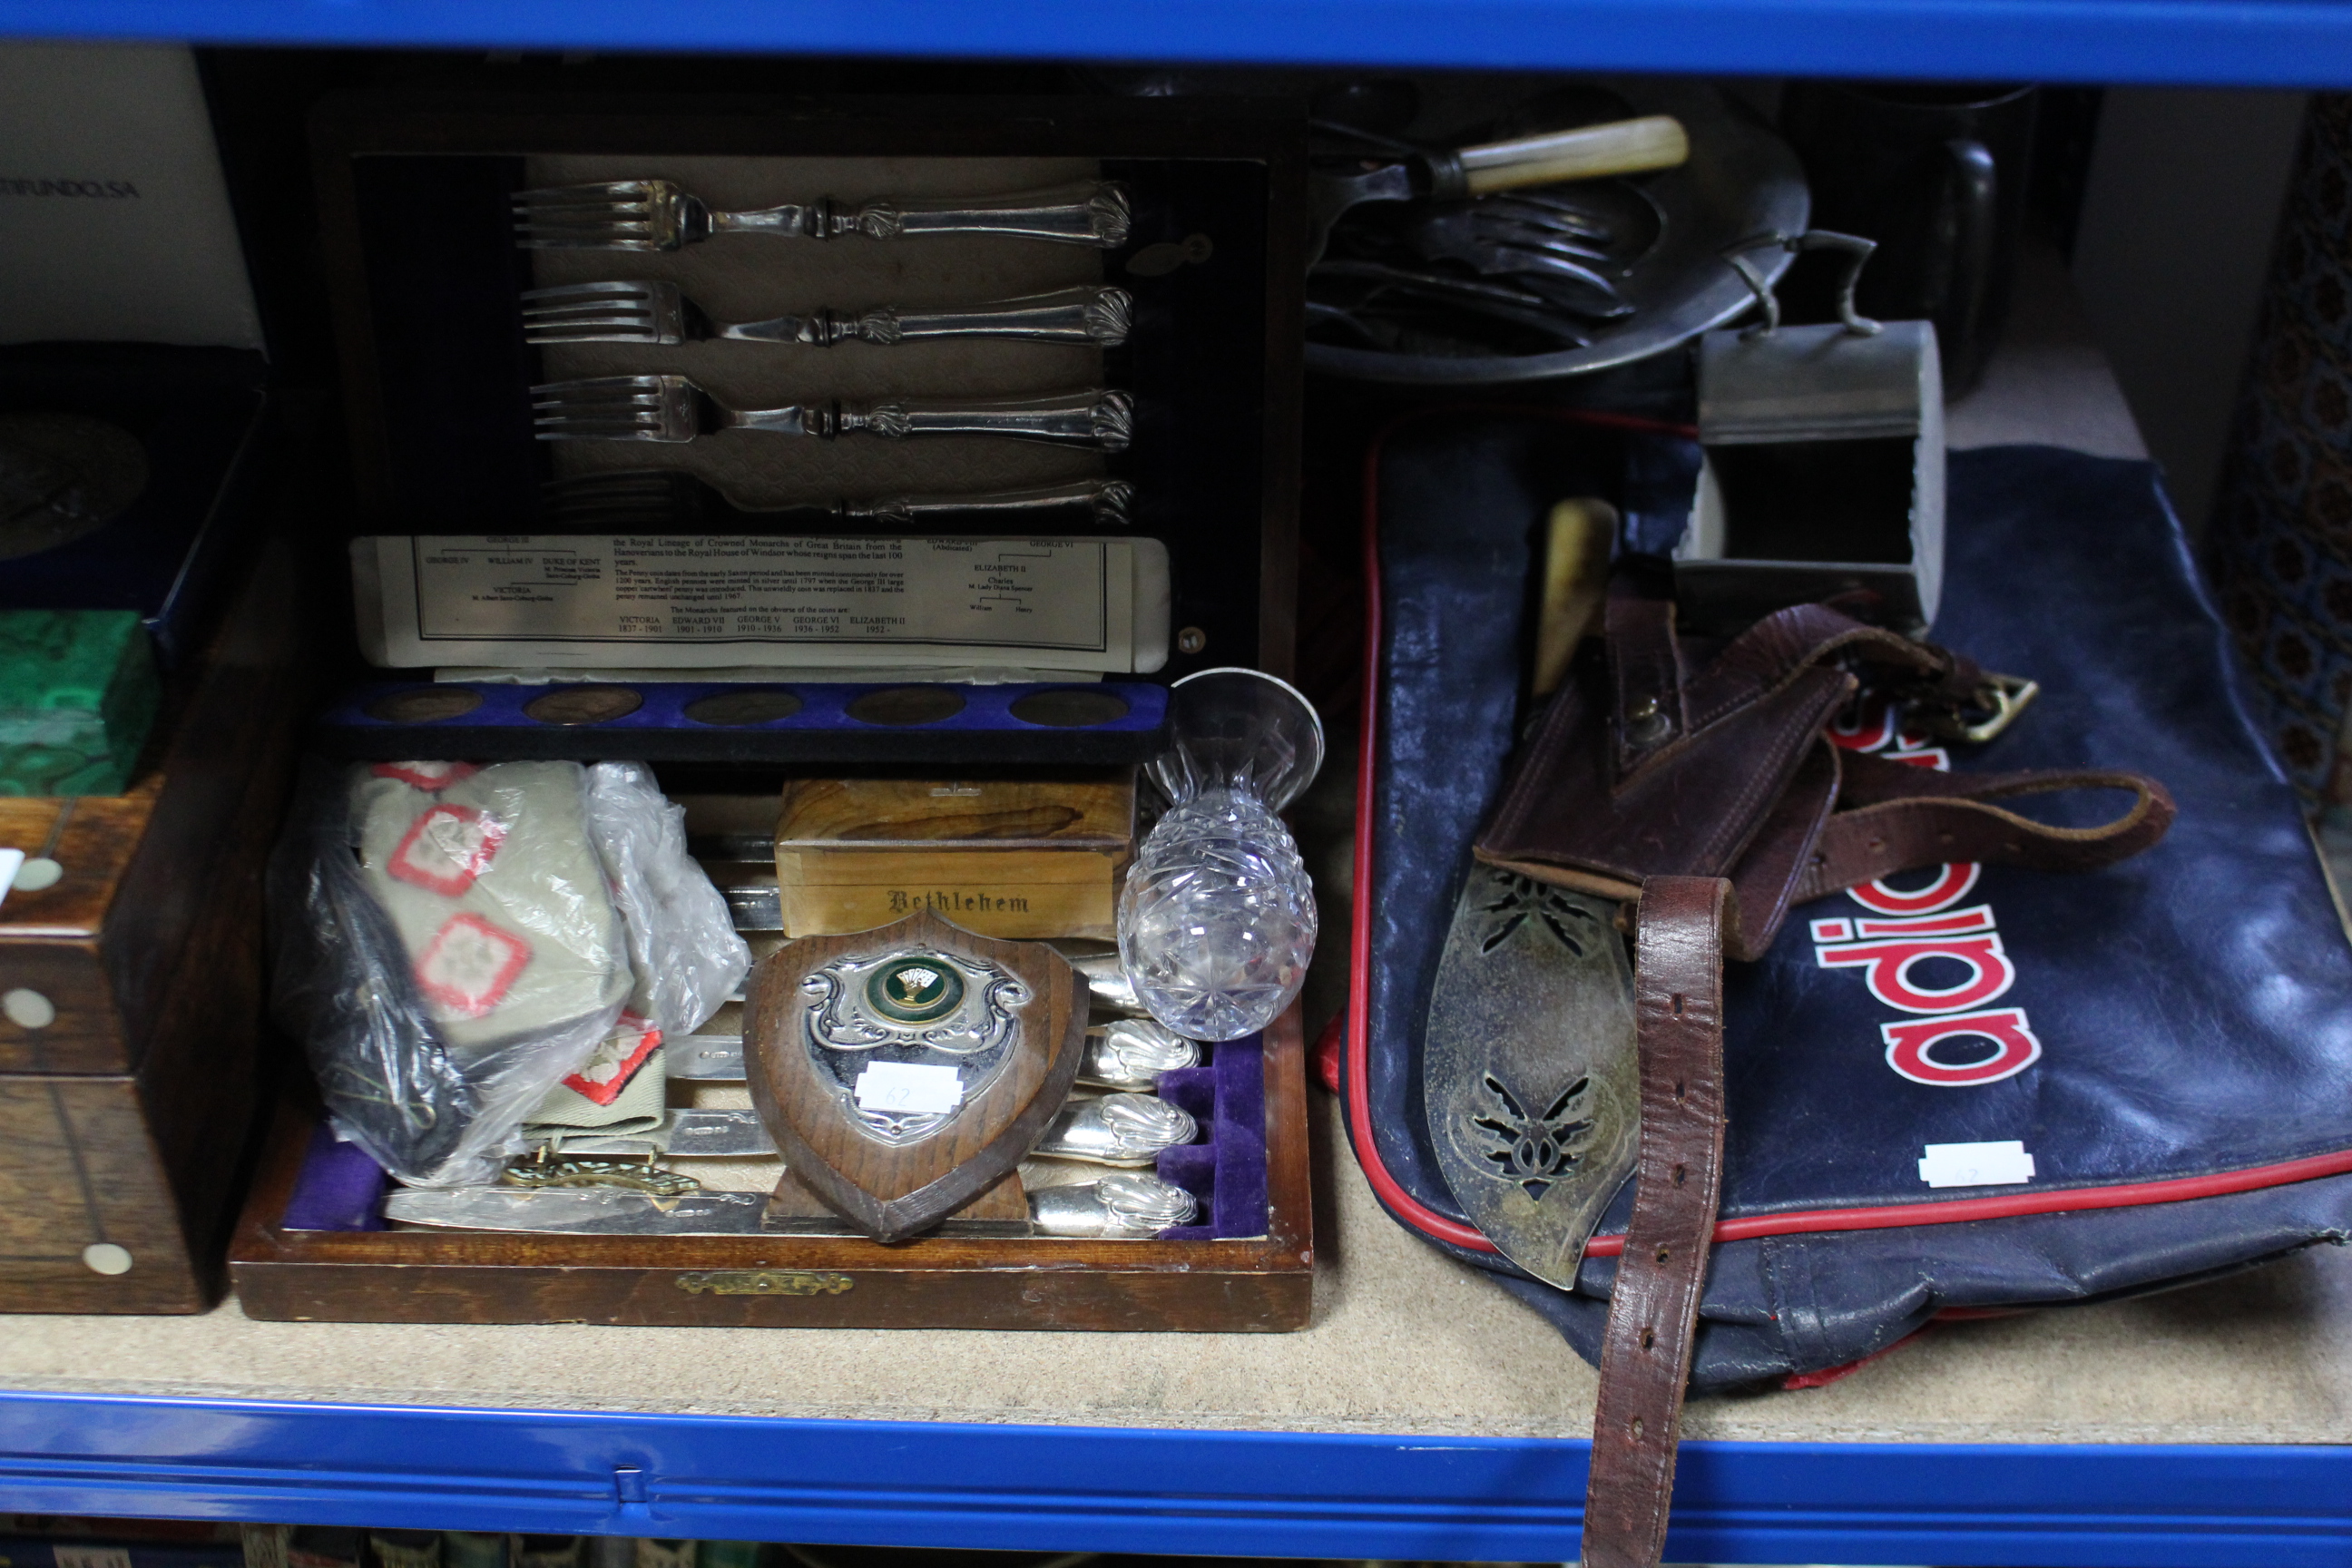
column 1022, row 858
column 1262, row 1284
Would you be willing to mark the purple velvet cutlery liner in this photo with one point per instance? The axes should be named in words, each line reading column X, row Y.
column 339, row 1188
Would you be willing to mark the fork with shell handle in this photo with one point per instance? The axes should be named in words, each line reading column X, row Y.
column 674, row 409
column 661, row 314
column 659, row 214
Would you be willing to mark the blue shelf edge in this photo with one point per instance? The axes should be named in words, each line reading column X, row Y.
column 1072, row 1489
column 2278, row 43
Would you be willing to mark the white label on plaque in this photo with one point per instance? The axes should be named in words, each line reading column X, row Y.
column 1975, row 1164
column 918, row 1087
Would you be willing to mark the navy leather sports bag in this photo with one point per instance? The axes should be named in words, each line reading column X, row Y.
column 1971, row 1087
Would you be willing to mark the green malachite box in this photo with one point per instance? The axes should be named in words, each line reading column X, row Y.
column 78, row 693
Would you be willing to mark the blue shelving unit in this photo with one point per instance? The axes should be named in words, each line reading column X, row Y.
column 2283, row 43
column 1065, row 1488
column 1157, row 1490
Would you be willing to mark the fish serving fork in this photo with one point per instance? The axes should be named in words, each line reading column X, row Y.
column 625, row 500
column 659, row 313
column 673, row 408
column 658, row 215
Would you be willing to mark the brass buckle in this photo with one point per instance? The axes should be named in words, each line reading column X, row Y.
column 1999, row 701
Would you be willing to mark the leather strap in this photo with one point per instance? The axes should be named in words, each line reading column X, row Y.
column 1645, row 1352
column 1902, row 817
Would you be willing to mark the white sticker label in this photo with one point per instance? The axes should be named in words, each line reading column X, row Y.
column 444, row 594
column 10, row 861
column 92, row 1556
column 1975, row 1164
column 917, row 1086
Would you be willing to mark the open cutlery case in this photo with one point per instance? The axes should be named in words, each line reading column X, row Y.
column 419, row 200
column 447, row 327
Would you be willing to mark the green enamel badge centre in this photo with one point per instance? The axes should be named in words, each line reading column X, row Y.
column 915, row 989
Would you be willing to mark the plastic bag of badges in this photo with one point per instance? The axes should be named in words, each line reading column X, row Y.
column 449, row 940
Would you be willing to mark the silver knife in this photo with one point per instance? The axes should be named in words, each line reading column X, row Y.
column 704, row 1058
column 585, row 1211
column 688, row 1134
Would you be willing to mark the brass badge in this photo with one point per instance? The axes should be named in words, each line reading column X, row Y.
column 1528, row 1066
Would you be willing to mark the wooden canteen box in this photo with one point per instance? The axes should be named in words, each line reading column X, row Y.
column 417, row 198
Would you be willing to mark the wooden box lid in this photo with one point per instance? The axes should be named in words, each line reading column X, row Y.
column 1092, row 814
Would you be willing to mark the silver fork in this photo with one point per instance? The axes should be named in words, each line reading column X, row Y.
column 659, row 313
column 657, row 215
column 636, row 499
column 672, row 408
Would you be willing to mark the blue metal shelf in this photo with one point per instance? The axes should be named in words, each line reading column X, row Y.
column 2247, row 42
column 922, row 1484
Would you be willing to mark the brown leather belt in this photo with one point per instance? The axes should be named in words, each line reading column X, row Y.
column 1645, row 1354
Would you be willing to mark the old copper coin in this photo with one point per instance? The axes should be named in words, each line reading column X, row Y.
column 584, row 704
column 1070, row 708
column 425, row 704
column 754, row 705
column 906, row 705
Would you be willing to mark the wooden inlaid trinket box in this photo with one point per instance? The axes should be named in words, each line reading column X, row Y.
column 130, row 986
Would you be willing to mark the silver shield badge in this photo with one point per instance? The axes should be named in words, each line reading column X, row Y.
column 905, row 1039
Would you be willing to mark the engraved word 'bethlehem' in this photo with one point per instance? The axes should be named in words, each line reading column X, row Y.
column 905, row 901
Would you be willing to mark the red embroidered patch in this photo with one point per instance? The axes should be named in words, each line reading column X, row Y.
column 605, row 1075
column 446, row 848
column 427, row 777
column 469, row 965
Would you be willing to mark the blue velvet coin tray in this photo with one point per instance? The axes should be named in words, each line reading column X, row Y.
column 1089, row 724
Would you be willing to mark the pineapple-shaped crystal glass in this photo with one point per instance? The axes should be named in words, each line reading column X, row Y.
column 1217, row 921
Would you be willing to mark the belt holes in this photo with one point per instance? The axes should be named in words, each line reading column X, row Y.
column 1678, row 1088
column 1664, row 1255
column 1637, row 1429
column 1876, row 845
column 1679, row 1173
column 1943, row 839
column 1649, row 1338
column 1678, row 1004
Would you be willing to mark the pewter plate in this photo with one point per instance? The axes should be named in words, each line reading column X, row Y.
column 1528, row 1066
column 1742, row 182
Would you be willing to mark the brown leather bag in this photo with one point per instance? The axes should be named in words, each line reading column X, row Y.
column 1697, row 779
